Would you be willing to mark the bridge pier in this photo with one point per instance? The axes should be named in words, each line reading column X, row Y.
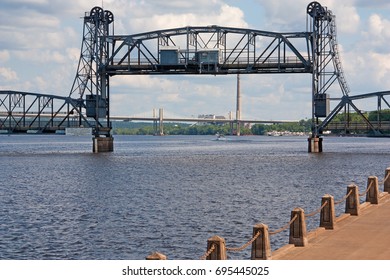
column 103, row 144
column 315, row 144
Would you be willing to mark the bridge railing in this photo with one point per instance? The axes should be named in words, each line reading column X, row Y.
column 298, row 236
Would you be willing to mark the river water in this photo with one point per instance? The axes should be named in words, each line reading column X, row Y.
column 170, row 194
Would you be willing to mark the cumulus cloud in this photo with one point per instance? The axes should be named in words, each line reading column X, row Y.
column 290, row 15
column 8, row 74
column 379, row 27
column 4, row 56
column 217, row 14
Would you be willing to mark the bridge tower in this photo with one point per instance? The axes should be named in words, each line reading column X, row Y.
column 326, row 67
column 91, row 83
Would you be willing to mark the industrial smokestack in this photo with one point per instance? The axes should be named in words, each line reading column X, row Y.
column 238, row 110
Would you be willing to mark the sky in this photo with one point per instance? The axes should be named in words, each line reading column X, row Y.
column 40, row 43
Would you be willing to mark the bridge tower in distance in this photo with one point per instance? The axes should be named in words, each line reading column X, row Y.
column 326, row 67
column 91, row 83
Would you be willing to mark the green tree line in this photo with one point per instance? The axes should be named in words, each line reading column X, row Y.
column 209, row 129
column 355, row 117
column 130, row 128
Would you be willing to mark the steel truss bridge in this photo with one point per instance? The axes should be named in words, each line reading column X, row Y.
column 190, row 50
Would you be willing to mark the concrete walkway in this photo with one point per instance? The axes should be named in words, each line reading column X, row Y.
column 363, row 237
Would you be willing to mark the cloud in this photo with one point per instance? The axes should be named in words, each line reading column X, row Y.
column 374, row 38
column 8, row 74
column 290, row 15
column 373, row 3
column 347, row 17
column 4, row 56
column 284, row 15
column 142, row 16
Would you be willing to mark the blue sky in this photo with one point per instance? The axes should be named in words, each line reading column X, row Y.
column 40, row 46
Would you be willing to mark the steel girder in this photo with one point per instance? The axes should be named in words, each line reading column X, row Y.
column 239, row 51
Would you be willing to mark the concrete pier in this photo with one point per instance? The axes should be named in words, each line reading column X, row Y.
column 103, row 144
column 315, row 144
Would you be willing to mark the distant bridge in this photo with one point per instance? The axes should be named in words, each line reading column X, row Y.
column 158, row 121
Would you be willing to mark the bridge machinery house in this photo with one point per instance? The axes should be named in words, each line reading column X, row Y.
column 203, row 60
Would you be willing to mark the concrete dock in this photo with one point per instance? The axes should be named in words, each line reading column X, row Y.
column 362, row 237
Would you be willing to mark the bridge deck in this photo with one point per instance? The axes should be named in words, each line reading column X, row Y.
column 363, row 237
column 148, row 68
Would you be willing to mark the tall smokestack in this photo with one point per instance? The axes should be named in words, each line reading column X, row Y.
column 238, row 111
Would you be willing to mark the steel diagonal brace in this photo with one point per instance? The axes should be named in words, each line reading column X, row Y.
column 376, row 132
column 296, row 52
column 336, row 110
column 2, row 102
column 344, row 101
column 387, row 103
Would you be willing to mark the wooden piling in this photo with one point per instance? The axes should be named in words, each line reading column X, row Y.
column 352, row 202
column 372, row 195
column 327, row 216
column 219, row 251
column 156, row 256
column 298, row 232
column 261, row 247
column 386, row 182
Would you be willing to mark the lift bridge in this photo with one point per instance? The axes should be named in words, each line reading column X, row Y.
column 190, row 50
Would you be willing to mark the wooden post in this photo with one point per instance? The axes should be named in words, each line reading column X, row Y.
column 298, row 233
column 372, row 195
column 327, row 216
column 261, row 247
column 352, row 203
column 156, row 256
column 386, row 183
column 219, row 252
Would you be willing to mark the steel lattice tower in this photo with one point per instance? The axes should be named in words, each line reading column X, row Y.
column 91, row 83
column 326, row 61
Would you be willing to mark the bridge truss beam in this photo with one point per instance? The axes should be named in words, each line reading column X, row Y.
column 41, row 113
column 208, row 50
column 346, row 102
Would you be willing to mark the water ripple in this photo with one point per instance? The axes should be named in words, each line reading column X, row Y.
column 168, row 194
